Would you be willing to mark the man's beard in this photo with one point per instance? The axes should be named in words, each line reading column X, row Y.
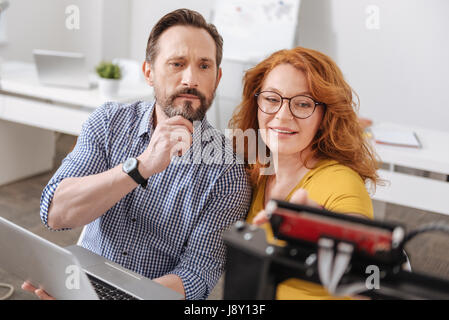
column 186, row 110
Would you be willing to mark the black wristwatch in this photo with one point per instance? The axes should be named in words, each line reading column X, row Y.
column 130, row 167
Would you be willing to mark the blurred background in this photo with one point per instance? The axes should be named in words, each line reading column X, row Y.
column 394, row 53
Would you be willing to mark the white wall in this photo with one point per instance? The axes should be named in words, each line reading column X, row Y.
column 23, row 37
column 115, row 30
column 41, row 24
column 399, row 70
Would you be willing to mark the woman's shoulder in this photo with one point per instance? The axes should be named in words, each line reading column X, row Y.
column 332, row 170
column 339, row 188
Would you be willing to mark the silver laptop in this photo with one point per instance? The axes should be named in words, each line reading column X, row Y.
column 72, row 273
column 66, row 69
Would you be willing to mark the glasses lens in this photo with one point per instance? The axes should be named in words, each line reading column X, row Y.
column 269, row 102
column 302, row 107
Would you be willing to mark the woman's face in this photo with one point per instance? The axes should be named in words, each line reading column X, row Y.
column 283, row 133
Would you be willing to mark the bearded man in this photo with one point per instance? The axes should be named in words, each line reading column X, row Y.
column 141, row 207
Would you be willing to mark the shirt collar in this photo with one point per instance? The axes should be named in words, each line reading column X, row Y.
column 146, row 122
column 198, row 128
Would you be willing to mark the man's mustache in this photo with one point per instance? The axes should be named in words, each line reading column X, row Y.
column 191, row 91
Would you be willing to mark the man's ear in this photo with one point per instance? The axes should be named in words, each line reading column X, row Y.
column 147, row 72
column 219, row 73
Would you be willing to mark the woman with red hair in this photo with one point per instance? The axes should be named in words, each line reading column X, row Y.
column 304, row 111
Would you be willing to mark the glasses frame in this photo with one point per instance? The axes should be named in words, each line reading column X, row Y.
column 289, row 105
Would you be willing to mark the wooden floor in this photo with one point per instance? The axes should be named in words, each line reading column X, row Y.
column 19, row 203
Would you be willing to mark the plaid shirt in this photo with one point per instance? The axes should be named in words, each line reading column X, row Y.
column 175, row 225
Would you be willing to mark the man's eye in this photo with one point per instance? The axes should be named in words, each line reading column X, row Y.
column 204, row 66
column 176, row 64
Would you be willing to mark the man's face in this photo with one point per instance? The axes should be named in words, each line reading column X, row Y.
column 184, row 74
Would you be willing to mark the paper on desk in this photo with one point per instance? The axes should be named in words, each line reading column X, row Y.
column 396, row 137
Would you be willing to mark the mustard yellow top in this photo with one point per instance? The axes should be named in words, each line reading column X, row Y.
column 337, row 188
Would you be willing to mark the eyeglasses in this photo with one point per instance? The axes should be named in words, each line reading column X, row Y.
column 300, row 106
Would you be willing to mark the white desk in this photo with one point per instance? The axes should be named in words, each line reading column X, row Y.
column 30, row 112
column 409, row 190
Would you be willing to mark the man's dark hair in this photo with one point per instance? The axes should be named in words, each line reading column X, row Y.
column 182, row 17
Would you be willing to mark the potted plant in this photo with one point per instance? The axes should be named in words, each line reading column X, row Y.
column 109, row 81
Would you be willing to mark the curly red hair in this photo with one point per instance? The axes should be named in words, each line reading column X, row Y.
column 340, row 136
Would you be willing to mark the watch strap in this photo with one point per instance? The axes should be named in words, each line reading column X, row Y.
column 137, row 177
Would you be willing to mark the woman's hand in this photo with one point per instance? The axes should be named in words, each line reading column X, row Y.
column 41, row 294
column 299, row 197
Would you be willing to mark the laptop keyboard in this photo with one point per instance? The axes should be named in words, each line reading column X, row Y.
column 108, row 292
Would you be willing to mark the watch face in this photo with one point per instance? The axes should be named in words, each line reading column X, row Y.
column 129, row 165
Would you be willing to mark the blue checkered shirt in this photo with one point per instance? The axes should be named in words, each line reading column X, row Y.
column 175, row 225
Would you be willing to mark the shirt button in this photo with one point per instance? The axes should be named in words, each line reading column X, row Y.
column 125, row 253
column 133, row 219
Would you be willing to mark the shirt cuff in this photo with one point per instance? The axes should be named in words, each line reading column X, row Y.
column 46, row 198
column 194, row 286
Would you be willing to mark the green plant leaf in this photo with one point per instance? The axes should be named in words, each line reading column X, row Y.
column 108, row 70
